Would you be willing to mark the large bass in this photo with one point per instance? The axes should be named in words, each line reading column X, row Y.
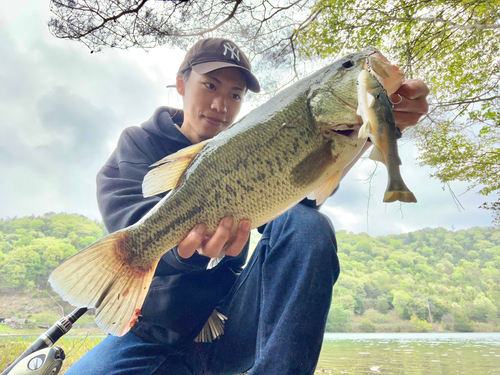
column 293, row 146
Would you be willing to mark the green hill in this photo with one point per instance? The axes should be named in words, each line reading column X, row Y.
column 31, row 247
column 435, row 275
column 450, row 278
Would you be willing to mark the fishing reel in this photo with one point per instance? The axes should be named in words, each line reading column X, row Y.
column 46, row 361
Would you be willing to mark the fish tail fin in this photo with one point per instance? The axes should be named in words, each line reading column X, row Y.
column 402, row 196
column 397, row 189
column 101, row 277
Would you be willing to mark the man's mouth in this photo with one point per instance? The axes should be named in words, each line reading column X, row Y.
column 214, row 121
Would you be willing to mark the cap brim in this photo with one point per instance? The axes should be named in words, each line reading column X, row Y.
column 204, row 68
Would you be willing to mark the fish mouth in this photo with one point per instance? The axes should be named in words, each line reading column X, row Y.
column 348, row 130
column 390, row 76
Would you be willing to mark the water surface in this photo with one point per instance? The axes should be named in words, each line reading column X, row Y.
column 410, row 353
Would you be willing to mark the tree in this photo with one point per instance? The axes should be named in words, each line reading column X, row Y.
column 401, row 303
column 339, row 319
column 265, row 29
column 483, row 309
column 382, row 304
column 348, row 302
column 462, row 323
column 451, row 45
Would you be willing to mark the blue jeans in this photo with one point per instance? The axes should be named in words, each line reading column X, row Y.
column 276, row 311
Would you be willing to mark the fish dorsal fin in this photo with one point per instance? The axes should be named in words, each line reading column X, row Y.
column 310, row 169
column 326, row 189
column 377, row 155
column 168, row 170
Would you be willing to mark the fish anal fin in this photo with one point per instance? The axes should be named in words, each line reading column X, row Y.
column 377, row 155
column 169, row 170
column 310, row 169
column 112, row 286
column 323, row 191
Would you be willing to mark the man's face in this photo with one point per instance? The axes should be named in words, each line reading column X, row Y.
column 211, row 102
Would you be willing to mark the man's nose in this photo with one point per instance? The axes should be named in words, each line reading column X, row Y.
column 219, row 104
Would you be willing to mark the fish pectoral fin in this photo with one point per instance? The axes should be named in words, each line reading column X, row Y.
column 213, row 328
column 366, row 130
column 310, row 169
column 323, row 191
column 100, row 277
column 370, row 100
column 377, row 155
column 169, row 170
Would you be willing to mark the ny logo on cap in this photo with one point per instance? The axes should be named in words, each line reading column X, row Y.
column 235, row 53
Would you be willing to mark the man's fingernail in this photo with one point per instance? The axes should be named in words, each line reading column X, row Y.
column 227, row 222
column 200, row 229
column 245, row 225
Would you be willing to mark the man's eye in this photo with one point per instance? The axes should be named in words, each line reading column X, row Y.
column 211, row 86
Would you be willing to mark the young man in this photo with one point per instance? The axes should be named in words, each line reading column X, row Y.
column 277, row 306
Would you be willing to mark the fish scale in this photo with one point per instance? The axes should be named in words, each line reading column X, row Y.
column 293, row 146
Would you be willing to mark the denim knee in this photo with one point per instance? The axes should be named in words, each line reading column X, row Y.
column 305, row 234
column 305, row 223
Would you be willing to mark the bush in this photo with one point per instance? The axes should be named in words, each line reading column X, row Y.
column 367, row 326
column 420, row 325
column 376, row 317
column 446, row 326
column 483, row 327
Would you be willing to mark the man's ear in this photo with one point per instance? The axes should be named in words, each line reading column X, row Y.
column 180, row 84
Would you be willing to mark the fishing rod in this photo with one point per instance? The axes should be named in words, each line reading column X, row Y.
column 41, row 358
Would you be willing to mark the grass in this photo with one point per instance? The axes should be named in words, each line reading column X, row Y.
column 7, row 331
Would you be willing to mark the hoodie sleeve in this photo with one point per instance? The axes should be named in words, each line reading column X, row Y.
column 120, row 199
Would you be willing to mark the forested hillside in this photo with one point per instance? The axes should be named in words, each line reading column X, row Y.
column 435, row 275
column 31, row 247
column 450, row 278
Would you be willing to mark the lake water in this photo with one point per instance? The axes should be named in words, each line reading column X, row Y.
column 395, row 353
column 410, row 353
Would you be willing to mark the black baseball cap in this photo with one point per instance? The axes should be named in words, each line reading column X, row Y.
column 211, row 54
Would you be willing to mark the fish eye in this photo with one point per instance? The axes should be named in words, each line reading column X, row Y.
column 347, row 64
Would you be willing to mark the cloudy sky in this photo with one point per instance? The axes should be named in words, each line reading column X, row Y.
column 62, row 110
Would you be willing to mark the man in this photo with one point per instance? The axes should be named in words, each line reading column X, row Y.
column 277, row 306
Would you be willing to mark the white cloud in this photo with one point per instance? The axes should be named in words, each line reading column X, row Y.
column 62, row 110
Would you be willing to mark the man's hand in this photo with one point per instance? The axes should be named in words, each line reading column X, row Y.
column 412, row 103
column 221, row 241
